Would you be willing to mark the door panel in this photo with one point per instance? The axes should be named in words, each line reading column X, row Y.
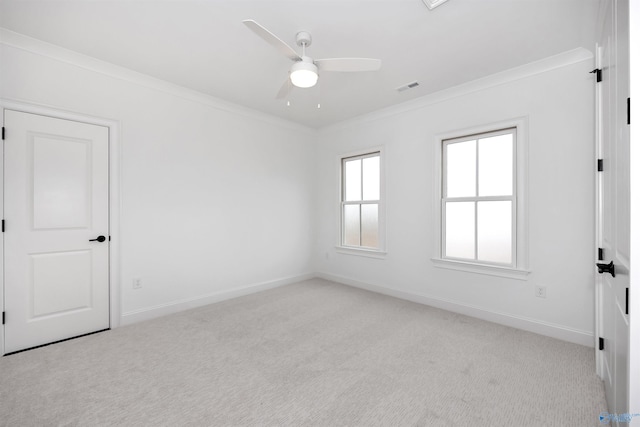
column 621, row 405
column 607, row 203
column 614, row 211
column 56, row 200
column 59, row 163
column 59, row 283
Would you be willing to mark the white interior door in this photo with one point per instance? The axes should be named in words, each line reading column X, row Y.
column 614, row 210
column 56, row 199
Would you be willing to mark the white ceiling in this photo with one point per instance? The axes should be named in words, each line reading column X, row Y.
column 203, row 44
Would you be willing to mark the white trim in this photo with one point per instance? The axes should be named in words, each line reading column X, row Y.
column 115, row 203
column 149, row 313
column 491, row 270
column 477, row 198
column 540, row 327
column 634, row 158
column 380, row 252
column 550, row 63
column 520, row 269
column 39, row 47
column 369, row 253
column 598, row 189
column 2, row 306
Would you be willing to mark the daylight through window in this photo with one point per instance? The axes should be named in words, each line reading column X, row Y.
column 361, row 201
column 479, row 198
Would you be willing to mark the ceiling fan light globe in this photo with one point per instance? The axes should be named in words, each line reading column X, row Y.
column 304, row 78
column 304, row 74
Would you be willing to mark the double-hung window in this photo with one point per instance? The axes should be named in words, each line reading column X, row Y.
column 361, row 201
column 479, row 199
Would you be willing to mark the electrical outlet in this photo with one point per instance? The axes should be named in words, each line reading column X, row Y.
column 137, row 283
column 541, row 291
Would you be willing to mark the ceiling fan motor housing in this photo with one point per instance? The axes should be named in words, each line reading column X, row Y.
column 303, row 38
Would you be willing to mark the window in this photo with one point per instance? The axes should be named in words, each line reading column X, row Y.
column 479, row 199
column 361, row 201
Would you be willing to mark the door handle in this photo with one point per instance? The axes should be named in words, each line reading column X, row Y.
column 98, row 239
column 607, row 268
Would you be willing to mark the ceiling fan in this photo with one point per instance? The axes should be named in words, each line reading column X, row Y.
column 304, row 71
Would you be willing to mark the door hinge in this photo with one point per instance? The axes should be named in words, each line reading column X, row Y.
column 600, row 254
column 3, row 225
column 3, row 133
column 600, row 343
column 600, row 165
column 598, row 73
column 3, row 318
column 626, row 301
column 628, row 112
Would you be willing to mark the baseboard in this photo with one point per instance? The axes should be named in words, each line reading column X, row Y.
column 149, row 313
column 520, row 322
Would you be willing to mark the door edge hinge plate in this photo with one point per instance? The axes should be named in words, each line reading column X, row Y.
column 600, row 165
column 3, row 133
column 628, row 112
column 600, row 343
column 3, row 317
column 600, row 254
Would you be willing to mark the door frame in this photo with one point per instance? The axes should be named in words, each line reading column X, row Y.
column 634, row 158
column 114, row 197
column 598, row 326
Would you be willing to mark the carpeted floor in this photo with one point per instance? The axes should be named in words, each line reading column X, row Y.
column 313, row 353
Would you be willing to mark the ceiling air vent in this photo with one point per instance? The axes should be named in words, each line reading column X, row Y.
column 432, row 4
column 407, row 86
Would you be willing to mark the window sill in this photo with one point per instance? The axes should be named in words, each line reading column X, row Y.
column 511, row 273
column 369, row 253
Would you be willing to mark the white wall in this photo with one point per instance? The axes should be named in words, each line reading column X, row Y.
column 217, row 198
column 557, row 97
column 214, row 197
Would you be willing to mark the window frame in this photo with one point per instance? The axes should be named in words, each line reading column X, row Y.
column 518, row 268
column 378, row 252
column 475, row 199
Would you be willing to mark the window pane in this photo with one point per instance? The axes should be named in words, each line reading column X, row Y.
column 352, row 178
column 370, row 226
column 460, row 230
column 371, row 178
column 495, row 164
column 461, row 169
column 494, row 231
column 352, row 225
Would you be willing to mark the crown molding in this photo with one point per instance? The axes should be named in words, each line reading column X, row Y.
column 531, row 69
column 39, row 47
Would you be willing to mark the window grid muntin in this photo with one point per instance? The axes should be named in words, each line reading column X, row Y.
column 361, row 202
column 476, row 199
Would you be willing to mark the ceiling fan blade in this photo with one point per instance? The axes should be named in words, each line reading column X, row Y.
column 284, row 90
column 348, row 64
column 272, row 39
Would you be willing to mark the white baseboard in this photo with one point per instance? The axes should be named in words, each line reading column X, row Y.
column 552, row 330
column 149, row 313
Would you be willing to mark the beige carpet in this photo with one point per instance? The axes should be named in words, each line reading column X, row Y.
column 314, row 353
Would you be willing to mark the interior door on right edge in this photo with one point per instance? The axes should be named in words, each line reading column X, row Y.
column 614, row 218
